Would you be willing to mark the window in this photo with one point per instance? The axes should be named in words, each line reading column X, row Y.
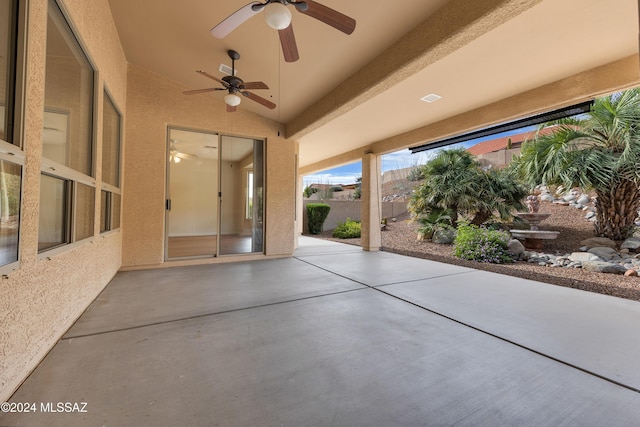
column 10, row 184
column 8, row 50
column 53, row 229
column 11, row 156
column 68, row 97
column 67, row 192
column 110, row 195
column 109, row 211
column 110, row 142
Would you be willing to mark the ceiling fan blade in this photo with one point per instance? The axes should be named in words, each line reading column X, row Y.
column 259, row 100
column 211, row 89
column 234, row 20
column 329, row 16
column 288, row 42
column 254, row 85
column 204, row 73
column 230, row 108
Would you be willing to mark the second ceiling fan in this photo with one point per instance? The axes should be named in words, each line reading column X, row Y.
column 278, row 17
column 234, row 85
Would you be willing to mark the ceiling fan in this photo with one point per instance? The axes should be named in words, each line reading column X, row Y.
column 278, row 17
column 176, row 155
column 234, row 85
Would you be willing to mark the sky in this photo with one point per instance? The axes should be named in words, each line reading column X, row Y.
column 347, row 174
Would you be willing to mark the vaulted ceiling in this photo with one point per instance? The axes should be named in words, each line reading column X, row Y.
column 347, row 92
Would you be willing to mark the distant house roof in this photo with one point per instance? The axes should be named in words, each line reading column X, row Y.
column 498, row 144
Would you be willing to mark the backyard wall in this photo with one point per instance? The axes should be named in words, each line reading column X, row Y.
column 341, row 210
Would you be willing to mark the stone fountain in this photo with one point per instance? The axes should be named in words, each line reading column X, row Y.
column 534, row 237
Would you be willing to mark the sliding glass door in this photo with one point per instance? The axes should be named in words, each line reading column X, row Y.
column 241, row 202
column 215, row 188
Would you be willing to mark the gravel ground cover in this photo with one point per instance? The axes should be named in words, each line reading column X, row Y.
column 401, row 237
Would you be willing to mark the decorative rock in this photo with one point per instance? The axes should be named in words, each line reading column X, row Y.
column 603, row 267
column 547, row 197
column 584, row 199
column 631, row 273
column 604, row 252
column 584, row 256
column 590, row 215
column 515, row 247
column 594, row 242
column 444, row 237
column 632, row 243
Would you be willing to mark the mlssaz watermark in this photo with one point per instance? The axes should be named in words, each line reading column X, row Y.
column 48, row 407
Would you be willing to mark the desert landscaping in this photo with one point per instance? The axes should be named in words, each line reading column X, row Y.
column 401, row 236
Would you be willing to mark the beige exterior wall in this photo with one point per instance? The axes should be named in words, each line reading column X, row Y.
column 153, row 104
column 42, row 298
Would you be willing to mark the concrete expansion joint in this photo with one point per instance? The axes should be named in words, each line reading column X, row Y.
column 475, row 328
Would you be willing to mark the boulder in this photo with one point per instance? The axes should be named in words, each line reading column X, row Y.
column 603, row 267
column 594, row 242
column 604, row 252
column 516, row 248
column 444, row 237
column 632, row 243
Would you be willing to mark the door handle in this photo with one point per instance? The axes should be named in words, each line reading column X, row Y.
column 168, row 204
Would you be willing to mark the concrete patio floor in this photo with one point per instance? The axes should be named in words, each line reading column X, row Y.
column 336, row 336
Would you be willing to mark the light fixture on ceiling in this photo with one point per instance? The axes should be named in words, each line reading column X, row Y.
column 232, row 99
column 278, row 15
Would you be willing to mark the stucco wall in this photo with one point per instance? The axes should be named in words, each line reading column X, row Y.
column 153, row 104
column 42, row 298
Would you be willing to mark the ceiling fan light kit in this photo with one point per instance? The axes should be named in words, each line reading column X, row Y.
column 278, row 16
column 232, row 99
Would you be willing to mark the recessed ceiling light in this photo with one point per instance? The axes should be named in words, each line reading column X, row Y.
column 430, row 98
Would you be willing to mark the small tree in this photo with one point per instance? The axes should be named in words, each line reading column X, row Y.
column 454, row 181
column 316, row 215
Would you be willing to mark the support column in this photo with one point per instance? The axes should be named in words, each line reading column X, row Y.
column 371, row 236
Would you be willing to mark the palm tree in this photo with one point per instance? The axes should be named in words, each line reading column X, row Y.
column 599, row 151
column 455, row 182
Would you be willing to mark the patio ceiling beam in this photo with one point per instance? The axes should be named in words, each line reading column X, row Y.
column 453, row 26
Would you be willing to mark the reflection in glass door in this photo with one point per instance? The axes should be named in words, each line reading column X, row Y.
column 192, row 194
column 242, row 189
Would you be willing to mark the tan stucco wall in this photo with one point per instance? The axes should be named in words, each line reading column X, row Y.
column 153, row 104
column 42, row 298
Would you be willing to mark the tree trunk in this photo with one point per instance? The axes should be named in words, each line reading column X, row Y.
column 480, row 218
column 616, row 210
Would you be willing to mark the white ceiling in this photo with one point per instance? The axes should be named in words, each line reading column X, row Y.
column 550, row 41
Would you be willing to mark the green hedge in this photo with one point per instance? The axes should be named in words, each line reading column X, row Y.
column 316, row 214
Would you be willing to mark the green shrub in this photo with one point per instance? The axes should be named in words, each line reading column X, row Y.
column 349, row 229
column 479, row 244
column 316, row 214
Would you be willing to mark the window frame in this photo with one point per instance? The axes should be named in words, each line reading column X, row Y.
column 61, row 171
column 11, row 147
column 111, row 189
